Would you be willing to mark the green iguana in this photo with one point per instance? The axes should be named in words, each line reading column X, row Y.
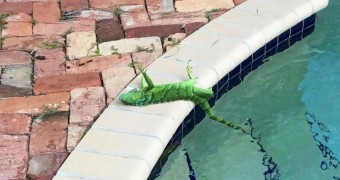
column 154, row 94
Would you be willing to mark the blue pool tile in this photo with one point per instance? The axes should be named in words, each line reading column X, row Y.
column 271, row 44
column 295, row 38
column 308, row 31
column 270, row 52
column 245, row 71
column 257, row 62
column 296, row 29
column 309, row 21
column 283, row 45
column 234, row 81
column 188, row 126
column 235, row 72
column 223, row 83
column 259, row 52
column 284, row 36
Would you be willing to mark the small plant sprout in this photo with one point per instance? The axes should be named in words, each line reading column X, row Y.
column 51, row 109
column 117, row 11
column 69, row 31
column 145, row 49
column 34, row 21
column 210, row 12
column 97, row 51
column 115, row 51
column 48, row 110
column 1, row 41
column 3, row 20
column 51, row 45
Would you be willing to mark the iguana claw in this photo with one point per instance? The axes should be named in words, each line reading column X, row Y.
column 189, row 70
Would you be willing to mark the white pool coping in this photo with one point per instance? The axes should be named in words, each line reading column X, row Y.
column 126, row 141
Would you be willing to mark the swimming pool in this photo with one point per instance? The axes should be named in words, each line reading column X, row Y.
column 293, row 102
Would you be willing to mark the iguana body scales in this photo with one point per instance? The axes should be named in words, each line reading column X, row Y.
column 154, row 94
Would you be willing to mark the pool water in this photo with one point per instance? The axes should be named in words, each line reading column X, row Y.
column 293, row 101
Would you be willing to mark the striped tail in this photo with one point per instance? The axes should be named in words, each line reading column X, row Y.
column 207, row 109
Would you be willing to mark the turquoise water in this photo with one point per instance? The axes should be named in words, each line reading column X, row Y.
column 293, row 101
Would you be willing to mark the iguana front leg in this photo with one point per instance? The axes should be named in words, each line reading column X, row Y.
column 149, row 84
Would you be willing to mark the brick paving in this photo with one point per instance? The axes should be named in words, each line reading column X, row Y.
column 62, row 62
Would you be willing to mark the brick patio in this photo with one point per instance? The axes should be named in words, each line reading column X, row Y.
column 62, row 62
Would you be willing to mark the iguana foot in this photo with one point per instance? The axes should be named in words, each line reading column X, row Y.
column 246, row 127
column 189, row 70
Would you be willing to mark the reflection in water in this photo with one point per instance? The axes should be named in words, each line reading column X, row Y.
column 321, row 135
column 191, row 169
column 272, row 172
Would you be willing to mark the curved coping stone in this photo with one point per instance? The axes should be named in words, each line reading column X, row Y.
column 126, row 141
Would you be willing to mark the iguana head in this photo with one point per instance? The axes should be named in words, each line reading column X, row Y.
column 136, row 97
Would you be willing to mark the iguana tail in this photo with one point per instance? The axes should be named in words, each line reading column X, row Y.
column 207, row 109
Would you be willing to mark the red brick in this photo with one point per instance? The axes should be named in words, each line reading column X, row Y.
column 17, row 29
column 16, row 7
column 49, row 134
column 34, row 104
column 29, row 43
column 109, row 4
column 70, row 5
column 13, row 157
column 153, row 30
column 136, row 23
column 86, row 104
column 46, row 12
column 97, row 15
column 237, row 2
column 21, row 17
column 12, row 91
column 134, row 16
column 67, row 82
column 160, row 6
column 44, row 166
column 61, row 28
column 14, row 123
column 96, row 64
column 109, row 30
column 49, row 62
column 178, row 18
column 116, row 79
column 192, row 27
column 14, row 57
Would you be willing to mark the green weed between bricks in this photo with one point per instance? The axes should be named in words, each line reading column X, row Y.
column 117, row 12
column 3, row 20
column 145, row 49
column 51, row 45
column 209, row 13
column 48, row 110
